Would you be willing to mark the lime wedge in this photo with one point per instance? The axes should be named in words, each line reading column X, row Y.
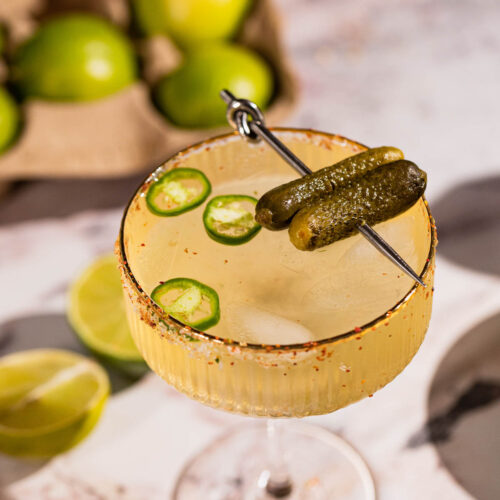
column 49, row 401
column 96, row 312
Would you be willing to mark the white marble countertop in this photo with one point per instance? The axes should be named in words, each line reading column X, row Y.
column 421, row 75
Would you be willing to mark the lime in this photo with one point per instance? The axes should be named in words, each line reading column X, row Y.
column 96, row 311
column 9, row 119
column 74, row 58
column 189, row 96
column 191, row 22
column 49, row 401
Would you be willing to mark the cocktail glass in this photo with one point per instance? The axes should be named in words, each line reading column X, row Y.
column 301, row 333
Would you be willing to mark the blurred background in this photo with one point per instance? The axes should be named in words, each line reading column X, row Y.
column 95, row 93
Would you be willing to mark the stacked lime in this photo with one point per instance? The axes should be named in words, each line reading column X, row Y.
column 78, row 57
column 96, row 311
column 49, row 401
column 191, row 22
column 189, row 96
column 205, row 30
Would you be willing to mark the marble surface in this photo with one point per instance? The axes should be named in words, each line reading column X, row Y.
column 419, row 74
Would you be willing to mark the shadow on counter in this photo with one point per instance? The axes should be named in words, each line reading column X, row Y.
column 34, row 200
column 464, row 411
column 468, row 222
column 50, row 331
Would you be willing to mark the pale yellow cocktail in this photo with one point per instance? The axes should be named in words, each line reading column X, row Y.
column 300, row 333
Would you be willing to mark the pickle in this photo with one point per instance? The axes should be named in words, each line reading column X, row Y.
column 276, row 207
column 381, row 194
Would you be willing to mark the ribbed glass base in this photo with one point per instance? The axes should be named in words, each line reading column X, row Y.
column 320, row 465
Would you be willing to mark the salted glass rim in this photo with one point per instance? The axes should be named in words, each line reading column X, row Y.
column 190, row 332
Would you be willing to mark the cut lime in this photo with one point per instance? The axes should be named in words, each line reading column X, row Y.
column 49, row 401
column 96, row 311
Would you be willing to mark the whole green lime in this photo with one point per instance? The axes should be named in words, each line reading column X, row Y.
column 9, row 119
column 74, row 58
column 189, row 96
column 191, row 22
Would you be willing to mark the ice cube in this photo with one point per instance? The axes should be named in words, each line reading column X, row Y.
column 255, row 325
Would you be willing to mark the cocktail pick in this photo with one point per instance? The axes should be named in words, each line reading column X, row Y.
column 238, row 111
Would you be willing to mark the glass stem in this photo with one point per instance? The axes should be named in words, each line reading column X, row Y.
column 277, row 480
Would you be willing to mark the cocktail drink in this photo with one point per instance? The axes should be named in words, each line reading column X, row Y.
column 288, row 333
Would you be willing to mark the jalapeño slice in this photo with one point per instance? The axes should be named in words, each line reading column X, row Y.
column 189, row 301
column 229, row 219
column 177, row 191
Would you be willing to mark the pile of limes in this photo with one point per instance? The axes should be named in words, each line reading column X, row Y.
column 82, row 57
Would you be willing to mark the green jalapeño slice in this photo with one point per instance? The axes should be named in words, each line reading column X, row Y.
column 178, row 191
column 229, row 219
column 189, row 301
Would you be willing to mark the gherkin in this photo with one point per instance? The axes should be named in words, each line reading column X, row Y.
column 276, row 208
column 379, row 195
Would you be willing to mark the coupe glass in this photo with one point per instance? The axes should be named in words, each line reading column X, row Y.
column 275, row 458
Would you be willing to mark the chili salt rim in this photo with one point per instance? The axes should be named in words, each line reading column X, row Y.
column 266, row 348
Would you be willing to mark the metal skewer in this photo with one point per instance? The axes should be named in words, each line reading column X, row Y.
column 238, row 111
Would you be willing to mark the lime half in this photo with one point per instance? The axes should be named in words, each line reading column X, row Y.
column 49, row 401
column 96, row 311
